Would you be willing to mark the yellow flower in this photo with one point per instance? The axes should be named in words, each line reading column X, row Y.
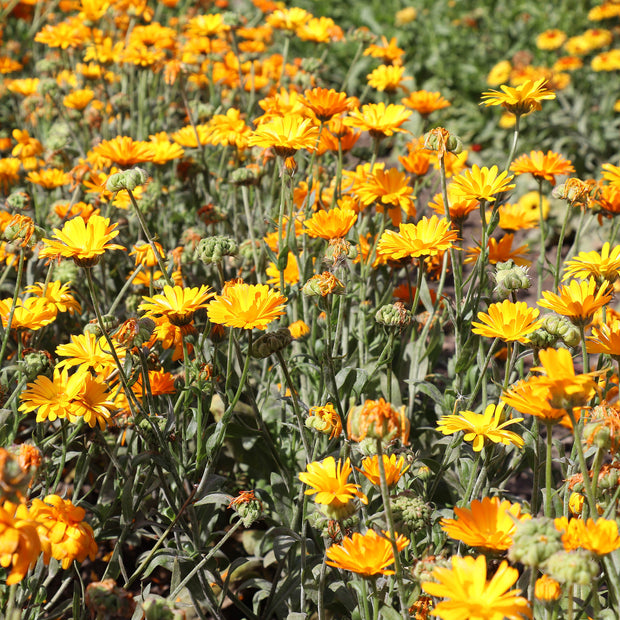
column 378, row 119
column 93, row 402
column 480, row 426
column 176, row 303
column 599, row 537
column 56, row 294
column 332, row 224
column 19, row 542
column 387, row 51
column 49, row 178
column 500, row 251
column 488, row 524
column 603, row 266
column 367, row 555
column 513, row 217
column 144, row 254
column 291, row 272
column 89, row 352
column 425, row 102
column 605, row 339
column 299, row 329
column 547, row 589
column 246, row 306
column 522, row 99
column 578, row 301
column 386, row 78
column 326, row 103
column 393, row 469
column 124, row 151
column 78, row 99
column 550, row 39
column 328, row 479
column 428, row 237
column 508, row 321
column 482, row 183
column 286, row 135
column 532, row 398
column 32, row 313
column 84, row 242
column 64, row 534
column 542, row 166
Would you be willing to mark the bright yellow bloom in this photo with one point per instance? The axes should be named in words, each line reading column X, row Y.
column 386, row 78
column 393, row 469
column 605, row 339
column 320, row 30
column 481, row 426
column 177, row 303
column 611, row 174
column 387, row 51
column 229, row 130
column 508, row 321
column 32, row 313
column 603, row 266
column 599, row 537
column 78, row 99
column 428, row 237
column 482, row 183
column 286, row 135
column 459, row 207
column 291, row 272
column 124, row 151
column 425, row 102
column 328, row 479
column 84, row 242
column 89, row 352
column 522, row 99
column 19, row 542
column 547, row 589
column 367, row 555
column 332, row 224
column 470, row 596
column 93, row 402
column 144, row 254
column 299, row 329
column 550, row 39
column 49, row 178
column 56, row 294
column 532, row 398
column 542, row 166
column 378, row 119
column 500, row 251
column 578, row 301
column 488, row 524
column 64, row 534
column 246, row 306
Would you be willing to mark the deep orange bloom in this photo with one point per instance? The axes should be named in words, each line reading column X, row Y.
column 425, row 102
column 326, row 103
column 542, row 166
column 332, row 224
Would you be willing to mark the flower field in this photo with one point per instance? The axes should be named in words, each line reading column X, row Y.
column 309, row 311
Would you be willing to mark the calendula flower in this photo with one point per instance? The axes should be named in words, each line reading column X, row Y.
column 500, row 251
column 605, row 338
column 84, row 242
column 49, row 178
column 291, row 272
column 600, row 536
column 547, row 589
column 125, row 151
column 428, row 237
column 379, row 420
column 328, row 479
column 332, row 224
column 368, row 555
column 488, row 524
column 394, row 469
column 20, row 545
column 425, row 102
column 286, row 135
column 520, row 100
column 508, row 320
column 378, row 119
column 482, row 183
column 9, row 172
column 386, row 78
column 459, row 207
column 326, row 103
column 513, row 217
column 324, row 419
column 32, row 313
column 470, row 595
column 603, row 266
column 323, row 284
column 550, row 39
column 578, row 301
column 177, row 303
column 479, row 427
column 299, row 329
column 64, row 534
column 93, row 402
column 532, row 398
column 90, row 352
column 541, row 166
column 387, row 51
column 56, row 294
column 246, row 306
column 78, row 99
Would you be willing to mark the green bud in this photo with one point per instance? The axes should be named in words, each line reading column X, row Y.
column 128, row 179
column 340, row 512
column 412, row 513
column 572, row 567
column 48, row 86
column 58, row 137
column 231, row 19
column 598, row 434
column 271, row 342
column 394, row 315
column 329, row 528
column 110, row 322
column 423, row 569
column 213, row 249
column 18, row 201
column 245, row 176
column 158, row 608
column 249, row 511
column 37, row 363
column 534, row 541
column 510, row 277
column 562, row 328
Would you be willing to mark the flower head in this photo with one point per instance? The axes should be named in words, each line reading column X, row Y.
column 482, row 183
column 541, row 166
column 601, row 266
column 471, row 596
column 520, row 100
column 394, row 469
column 378, row 119
column 125, row 151
column 508, row 321
column 365, row 554
column 600, row 537
column 390, row 189
column 325, row 419
column 286, row 135
column 19, row 542
column 328, row 479
column 479, row 427
column 532, row 398
column 177, row 303
column 32, row 313
column 500, row 251
column 425, row 102
column 326, row 103
column 488, row 524
column 379, row 420
column 605, row 339
column 331, row 224
column 246, row 306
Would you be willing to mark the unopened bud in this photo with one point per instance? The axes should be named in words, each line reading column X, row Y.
column 128, row 179
column 271, row 342
column 213, row 249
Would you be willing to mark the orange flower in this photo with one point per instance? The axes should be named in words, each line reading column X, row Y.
column 20, row 542
column 500, row 251
column 332, row 224
column 394, row 469
column 286, row 135
column 425, row 102
column 388, row 51
column 378, row 419
column 326, row 103
column 378, row 119
column 388, row 187
column 483, row 183
column 124, row 151
column 542, row 166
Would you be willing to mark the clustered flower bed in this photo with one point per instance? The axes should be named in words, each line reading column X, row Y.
column 281, row 341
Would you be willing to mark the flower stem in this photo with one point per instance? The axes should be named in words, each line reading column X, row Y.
column 558, row 258
column 515, row 139
column 587, row 483
column 549, row 473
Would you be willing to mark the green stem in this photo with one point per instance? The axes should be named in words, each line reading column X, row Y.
column 558, row 257
column 365, row 606
column 587, row 483
column 584, row 349
column 543, row 240
column 482, row 374
column 549, row 486
column 515, row 139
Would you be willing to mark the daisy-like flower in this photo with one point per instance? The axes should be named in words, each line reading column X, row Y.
column 387, row 51
column 246, row 306
column 326, row 103
column 605, row 339
column 500, row 251
column 541, row 166
column 332, row 224
column 428, row 237
column 84, row 242
column 324, row 419
column 91, row 353
column 93, row 402
column 611, row 174
column 508, row 321
column 144, row 254
column 482, row 183
column 32, row 313
column 176, row 303
column 124, row 151
column 603, row 267
column 78, row 99
column 488, row 524
column 471, row 596
column 479, row 427
column 459, row 207
column 520, row 100
column 56, row 294
column 328, row 479
column 21, row 546
column 532, row 398
column 600, row 537
column 299, row 329
column 365, row 554
column 513, row 217
column 578, row 301
column 378, row 119
column 386, row 78
column 394, row 469
column 286, row 135
column 64, row 534
column 425, row 102
column 550, row 39
column 49, row 178
column 291, row 272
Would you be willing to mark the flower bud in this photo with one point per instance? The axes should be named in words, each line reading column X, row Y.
column 135, row 332
column 510, row 277
column 128, row 179
column 110, row 323
column 246, row 176
column 248, row 507
column 572, row 567
column 575, row 503
column 35, row 363
column 213, row 249
column 105, row 599
column 158, row 608
column 18, row 201
column 534, row 541
column 271, row 342
column 423, row 569
column 394, row 315
column 323, row 284
column 547, row 589
column 325, row 420
column 412, row 513
column 339, row 512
